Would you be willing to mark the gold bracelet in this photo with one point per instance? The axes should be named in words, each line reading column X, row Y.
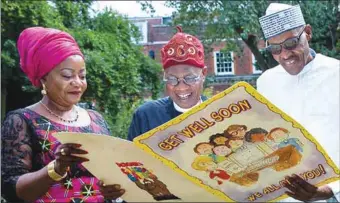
column 52, row 173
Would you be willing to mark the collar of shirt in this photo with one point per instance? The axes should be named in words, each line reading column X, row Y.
column 179, row 109
column 308, row 66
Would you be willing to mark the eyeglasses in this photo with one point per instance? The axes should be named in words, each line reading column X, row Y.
column 189, row 80
column 288, row 44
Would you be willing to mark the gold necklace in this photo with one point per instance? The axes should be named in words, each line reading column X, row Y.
column 61, row 118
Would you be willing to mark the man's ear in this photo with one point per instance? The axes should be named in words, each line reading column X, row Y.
column 163, row 74
column 205, row 71
column 308, row 31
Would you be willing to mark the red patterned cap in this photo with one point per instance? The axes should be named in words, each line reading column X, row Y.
column 183, row 49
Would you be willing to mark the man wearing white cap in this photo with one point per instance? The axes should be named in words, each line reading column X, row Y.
column 306, row 86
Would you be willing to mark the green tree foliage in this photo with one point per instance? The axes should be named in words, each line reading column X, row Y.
column 118, row 73
column 324, row 17
column 74, row 14
column 338, row 42
column 16, row 16
column 218, row 20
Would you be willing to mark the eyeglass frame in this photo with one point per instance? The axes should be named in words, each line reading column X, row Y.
column 282, row 43
column 197, row 78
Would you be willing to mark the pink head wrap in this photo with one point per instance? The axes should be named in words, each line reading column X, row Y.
column 42, row 49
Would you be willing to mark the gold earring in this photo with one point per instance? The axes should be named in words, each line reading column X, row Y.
column 43, row 91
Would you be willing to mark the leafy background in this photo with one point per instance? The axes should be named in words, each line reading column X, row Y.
column 119, row 77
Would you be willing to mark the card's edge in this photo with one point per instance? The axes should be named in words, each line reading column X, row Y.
column 252, row 91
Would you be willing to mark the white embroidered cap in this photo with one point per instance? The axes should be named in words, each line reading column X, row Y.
column 280, row 18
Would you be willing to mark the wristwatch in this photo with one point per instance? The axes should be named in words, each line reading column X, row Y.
column 52, row 173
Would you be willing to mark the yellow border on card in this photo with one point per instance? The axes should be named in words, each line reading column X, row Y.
column 252, row 91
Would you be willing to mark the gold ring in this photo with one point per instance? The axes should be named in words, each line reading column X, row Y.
column 63, row 151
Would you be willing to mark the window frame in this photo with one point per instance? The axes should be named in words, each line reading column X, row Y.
column 232, row 64
column 253, row 60
column 144, row 31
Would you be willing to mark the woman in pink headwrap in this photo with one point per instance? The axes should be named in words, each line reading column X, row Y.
column 35, row 166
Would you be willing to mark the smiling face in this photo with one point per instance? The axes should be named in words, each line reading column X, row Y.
column 204, row 149
column 258, row 137
column 220, row 140
column 185, row 96
column 235, row 144
column 293, row 61
column 279, row 135
column 66, row 83
column 238, row 133
column 208, row 166
column 221, row 150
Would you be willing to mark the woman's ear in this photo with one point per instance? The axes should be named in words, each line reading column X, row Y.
column 44, row 90
column 42, row 81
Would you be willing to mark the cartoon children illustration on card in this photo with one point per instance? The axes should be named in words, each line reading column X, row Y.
column 236, row 131
column 281, row 137
column 237, row 155
column 207, row 164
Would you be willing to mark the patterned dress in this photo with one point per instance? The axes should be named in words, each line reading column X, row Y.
column 28, row 146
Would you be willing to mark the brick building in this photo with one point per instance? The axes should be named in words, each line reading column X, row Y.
column 224, row 69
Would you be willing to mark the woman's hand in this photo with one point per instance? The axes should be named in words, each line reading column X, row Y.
column 110, row 191
column 65, row 157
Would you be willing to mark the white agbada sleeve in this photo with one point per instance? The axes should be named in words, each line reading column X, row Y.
column 278, row 87
column 335, row 186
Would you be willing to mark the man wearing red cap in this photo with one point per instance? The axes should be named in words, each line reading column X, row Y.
column 184, row 74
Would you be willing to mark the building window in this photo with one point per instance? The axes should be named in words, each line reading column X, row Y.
column 152, row 54
column 143, row 29
column 166, row 20
column 223, row 62
column 255, row 69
